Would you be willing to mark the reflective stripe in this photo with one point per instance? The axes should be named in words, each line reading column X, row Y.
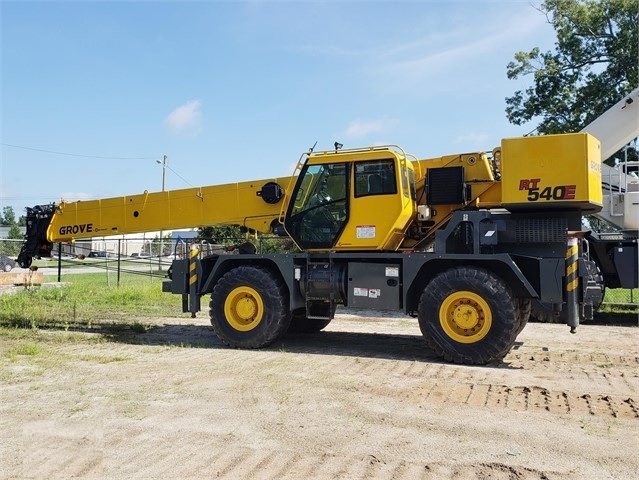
column 572, row 251
column 571, row 269
column 193, row 265
column 572, row 285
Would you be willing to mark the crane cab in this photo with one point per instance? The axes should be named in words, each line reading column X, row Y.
column 349, row 200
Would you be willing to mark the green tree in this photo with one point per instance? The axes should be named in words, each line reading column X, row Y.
column 15, row 233
column 272, row 244
column 593, row 66
column 11, row 246
column 8, row 216
column 220, row 234
column 233, row 235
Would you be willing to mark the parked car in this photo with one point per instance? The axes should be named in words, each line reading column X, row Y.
column 64, row 256
column 6, row 264
column 98, row 254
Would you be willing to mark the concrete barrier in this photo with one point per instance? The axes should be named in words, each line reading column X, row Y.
column 21, row 278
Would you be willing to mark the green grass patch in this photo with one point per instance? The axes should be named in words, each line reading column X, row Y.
column 26, row 349
column 622, row 301
column 85, row 300
column 102, row 359
column 22, row 349
column 622, row 295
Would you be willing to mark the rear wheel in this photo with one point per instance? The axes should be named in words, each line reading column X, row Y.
column 249, row 308
column 468, row 315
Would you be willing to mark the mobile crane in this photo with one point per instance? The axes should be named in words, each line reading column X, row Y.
column 463, row 242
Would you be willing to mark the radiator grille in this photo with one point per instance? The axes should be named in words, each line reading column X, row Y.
column 541, row 230
column 445, row 186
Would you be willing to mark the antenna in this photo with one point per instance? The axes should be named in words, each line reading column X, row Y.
column 310, row 150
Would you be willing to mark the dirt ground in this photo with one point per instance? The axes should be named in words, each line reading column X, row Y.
column 364, row 399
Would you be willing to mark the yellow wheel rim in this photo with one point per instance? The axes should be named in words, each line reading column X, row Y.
column 244, row 309
column 465, row 317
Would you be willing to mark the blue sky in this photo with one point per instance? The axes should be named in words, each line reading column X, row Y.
column 234, row 91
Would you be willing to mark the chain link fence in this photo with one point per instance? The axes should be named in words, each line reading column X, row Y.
column 154, row 256
column 144, row 247
column 622, row 296
column 138, row 255
column 10, row 248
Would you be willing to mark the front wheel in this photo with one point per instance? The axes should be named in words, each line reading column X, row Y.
column 468, row 315
column 249, row 307
column 524, row 307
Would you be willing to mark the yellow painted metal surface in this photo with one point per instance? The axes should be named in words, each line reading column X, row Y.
column 231, row 204
column 477, row 167
column 485, row 189
column 244, row 309
column 465, row 317
column 552, row 171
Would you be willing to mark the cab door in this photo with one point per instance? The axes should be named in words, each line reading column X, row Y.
column 377, row 206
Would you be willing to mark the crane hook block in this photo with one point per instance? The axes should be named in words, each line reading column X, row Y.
column 271, row 193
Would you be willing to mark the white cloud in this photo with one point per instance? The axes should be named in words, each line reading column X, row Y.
column 360, row 128
column 452, row 53
column 185, row 120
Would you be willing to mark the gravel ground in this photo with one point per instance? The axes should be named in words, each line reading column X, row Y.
column 363, row 399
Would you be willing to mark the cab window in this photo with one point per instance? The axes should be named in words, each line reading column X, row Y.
column 375, row 177
column 319, row 209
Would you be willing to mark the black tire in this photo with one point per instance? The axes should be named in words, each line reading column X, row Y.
column 524, row 307
column 595, row 276
column 249, row 308
column 543, row 313
column 468, row 315
column 7, row 267
column 301, row 324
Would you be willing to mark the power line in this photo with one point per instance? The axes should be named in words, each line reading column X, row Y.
column 76, row 154
column 183, row 179
column 94, row 156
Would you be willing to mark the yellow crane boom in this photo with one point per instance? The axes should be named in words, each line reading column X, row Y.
column 242, row 204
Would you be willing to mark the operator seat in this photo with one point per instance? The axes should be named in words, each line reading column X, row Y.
column 375, row 183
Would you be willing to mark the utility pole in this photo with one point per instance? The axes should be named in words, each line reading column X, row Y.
column 164, row 165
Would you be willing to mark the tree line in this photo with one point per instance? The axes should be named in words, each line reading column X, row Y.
column 593, row 66
column 8, row 219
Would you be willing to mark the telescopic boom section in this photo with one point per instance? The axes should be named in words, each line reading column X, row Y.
column 255, row 205
column 617, row 126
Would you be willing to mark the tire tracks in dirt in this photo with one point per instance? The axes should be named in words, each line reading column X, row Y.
column 358, row 401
